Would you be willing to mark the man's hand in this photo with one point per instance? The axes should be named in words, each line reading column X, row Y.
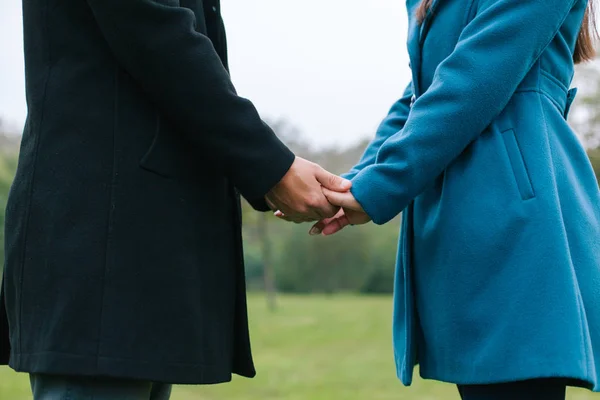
column 351, row 213
column 299, row 195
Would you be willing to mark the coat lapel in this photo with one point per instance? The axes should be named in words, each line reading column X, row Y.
column 424, row 27
column 416, row 35
column 414, row 48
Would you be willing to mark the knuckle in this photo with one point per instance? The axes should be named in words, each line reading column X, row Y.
column 303, row 209
column 332, row 179
column 314, row 201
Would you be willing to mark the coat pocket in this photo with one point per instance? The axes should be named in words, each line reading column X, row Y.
column 518, row 165
column 171, row 156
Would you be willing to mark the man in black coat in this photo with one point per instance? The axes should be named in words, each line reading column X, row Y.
column 123, row 226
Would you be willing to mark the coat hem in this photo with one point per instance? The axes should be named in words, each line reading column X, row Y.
column 573, row 379
column 153, row 371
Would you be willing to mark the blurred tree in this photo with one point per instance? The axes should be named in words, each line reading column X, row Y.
column 324, row 264
column 292, row 137
column 261, row 229
column 9, row 145
column 382, row 260
column 586, row 118
column 595, row 159
column 267, row 259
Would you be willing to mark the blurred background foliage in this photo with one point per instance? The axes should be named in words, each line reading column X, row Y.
column 282, row 257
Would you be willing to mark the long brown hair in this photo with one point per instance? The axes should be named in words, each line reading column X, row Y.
column 584, row 49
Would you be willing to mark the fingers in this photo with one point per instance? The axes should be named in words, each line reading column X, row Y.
column 294, row 219
column 284, row 217
column 330, row 226
column 270, row 203
column 345, row 200
column 325, row 210
column 318, row 227
column 336, row 225
column 314, row 208
column 331, row 181
column 299, row 193
column 334, row 183
column 321, row 206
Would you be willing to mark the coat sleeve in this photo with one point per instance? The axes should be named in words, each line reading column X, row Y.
column 393, row 123
column 156, row 43
column 469, row 90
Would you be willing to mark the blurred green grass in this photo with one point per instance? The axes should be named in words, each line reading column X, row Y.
column 311, row 348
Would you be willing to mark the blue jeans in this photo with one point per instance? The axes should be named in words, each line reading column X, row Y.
column 51, row 387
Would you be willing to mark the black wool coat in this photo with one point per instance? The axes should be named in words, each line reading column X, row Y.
column 123, row 227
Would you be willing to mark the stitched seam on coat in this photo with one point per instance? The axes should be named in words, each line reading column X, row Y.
column 563, row 227
column 538, row 83
column 560, row 108
column 543, row 49
column 110, row 216
column 32, row 178
column 538, row 55
column 553, row 78
column 546, row 94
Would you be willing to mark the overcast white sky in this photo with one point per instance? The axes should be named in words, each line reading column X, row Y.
column 332, row 67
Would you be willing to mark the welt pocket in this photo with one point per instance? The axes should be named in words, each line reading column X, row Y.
column 150, row 161
column 517, row 162
column 171, row 156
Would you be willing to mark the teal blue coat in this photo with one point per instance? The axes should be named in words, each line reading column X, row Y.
column 498, row 274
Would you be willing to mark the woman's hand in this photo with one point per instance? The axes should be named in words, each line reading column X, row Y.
column 351, row 213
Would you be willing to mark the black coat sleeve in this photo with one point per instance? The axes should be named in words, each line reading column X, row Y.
column 259, row 204
column 156, row 43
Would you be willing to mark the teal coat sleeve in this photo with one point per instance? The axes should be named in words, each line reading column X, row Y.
column 393, row 123
column 469, row 89
column 156, row 42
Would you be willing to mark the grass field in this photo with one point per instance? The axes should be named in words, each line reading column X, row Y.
column 312, row 348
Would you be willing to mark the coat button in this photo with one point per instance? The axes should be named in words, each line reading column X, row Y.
column 412, row 100
column 215, row 8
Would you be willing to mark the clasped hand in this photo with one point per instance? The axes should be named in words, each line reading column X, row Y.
column 309, row 193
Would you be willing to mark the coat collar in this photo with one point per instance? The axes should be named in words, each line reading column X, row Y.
column 427, row 22
column 416, row 35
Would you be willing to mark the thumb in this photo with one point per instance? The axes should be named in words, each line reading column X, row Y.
column 332, row 182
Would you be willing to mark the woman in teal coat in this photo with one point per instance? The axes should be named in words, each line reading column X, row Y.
column 498, row 276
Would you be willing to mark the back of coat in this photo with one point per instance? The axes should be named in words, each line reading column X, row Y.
column 123, row 238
